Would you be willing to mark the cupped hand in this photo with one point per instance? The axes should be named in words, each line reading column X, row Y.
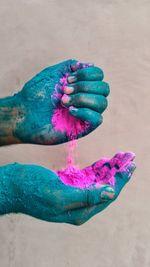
column 76, row 87
column 40, row 193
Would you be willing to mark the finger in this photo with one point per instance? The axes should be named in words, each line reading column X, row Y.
column 83, row 100
column 77, row 210
column 72, row 65
column 123, row 177
column 116, row 168
column 95, row 195
column 86, row 74
column 92, row 87
column 81, row 215
column 121, row 159
column 94, row 118
column 67, row 65
column 89, row 197
column 76, row 65
column 89, row 201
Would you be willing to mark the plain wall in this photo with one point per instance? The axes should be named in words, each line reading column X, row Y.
column 115, row 35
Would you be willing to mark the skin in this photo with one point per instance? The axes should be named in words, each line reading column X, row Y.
column 39, row 192
column 27, row 116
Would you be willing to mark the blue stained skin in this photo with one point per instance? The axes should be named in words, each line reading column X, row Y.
column 28, row 114
column 39, row 192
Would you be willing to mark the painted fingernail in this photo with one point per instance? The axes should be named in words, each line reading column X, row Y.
column 72, row 79
column 65, row 99
column 68, row 90
column 108, row 193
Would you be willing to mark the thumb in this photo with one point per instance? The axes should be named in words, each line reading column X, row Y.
column 85, row 114
column 74, row 65
column 99, row 193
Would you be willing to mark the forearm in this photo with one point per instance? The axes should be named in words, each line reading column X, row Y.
column 7, row 200
column 9, row 115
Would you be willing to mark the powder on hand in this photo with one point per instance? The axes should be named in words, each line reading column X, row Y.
column 62, row 120
column 101, row 172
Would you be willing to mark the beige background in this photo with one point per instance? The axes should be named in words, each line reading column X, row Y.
column 116, row 36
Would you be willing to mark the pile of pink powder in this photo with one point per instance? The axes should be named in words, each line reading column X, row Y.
column 101, row 172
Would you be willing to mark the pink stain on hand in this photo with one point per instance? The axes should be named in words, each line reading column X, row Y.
column 102, row 172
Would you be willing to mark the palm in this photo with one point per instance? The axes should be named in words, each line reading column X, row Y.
column 42, row 194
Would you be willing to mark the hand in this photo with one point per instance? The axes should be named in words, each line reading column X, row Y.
column 35, row 106
column 39, row 192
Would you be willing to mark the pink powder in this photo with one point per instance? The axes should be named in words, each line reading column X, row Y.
column 62, row 120
column 101, row 172
column 71, row 153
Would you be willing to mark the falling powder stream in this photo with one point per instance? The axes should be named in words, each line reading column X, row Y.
column 71, row 153
column 64, row 122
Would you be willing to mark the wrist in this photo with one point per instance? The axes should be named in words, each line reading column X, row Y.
column 10, row 114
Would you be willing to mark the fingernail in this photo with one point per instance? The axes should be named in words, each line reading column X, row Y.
column 108, row 193
column 68, row 90
column 72, row 109
column 131, row 169
column 65, row 99
column 72, row 79
column 87, row 65
column 90, row 64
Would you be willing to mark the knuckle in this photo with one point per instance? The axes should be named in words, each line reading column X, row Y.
column 71, row 61
column 82, row 74
column 79, row 98
column 79, row 87
column 100, row 72
column 78, row 222
column 100, row 120
column 107, row 88
column 97, row 121
column 105, row 103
